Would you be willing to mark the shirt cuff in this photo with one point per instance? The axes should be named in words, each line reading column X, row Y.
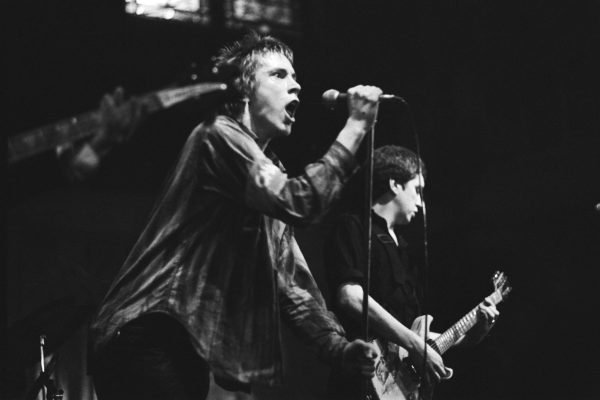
column 331, row 349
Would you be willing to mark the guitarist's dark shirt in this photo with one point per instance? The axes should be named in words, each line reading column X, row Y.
column 393, row 282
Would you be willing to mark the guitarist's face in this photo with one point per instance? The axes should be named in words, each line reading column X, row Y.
column 408, row 199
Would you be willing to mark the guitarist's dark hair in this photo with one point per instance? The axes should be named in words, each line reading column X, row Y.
column 243, row 55
column 394, row 162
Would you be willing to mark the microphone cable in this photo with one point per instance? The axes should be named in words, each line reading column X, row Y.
column 425, row 268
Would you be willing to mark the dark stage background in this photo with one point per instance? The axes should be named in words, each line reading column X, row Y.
column 504, row 96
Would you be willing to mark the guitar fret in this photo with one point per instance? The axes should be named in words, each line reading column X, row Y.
column 451, row 336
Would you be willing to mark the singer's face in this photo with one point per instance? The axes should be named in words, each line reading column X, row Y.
column 408, row 199
column 274, row 99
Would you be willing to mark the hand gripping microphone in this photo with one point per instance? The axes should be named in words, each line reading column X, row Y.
column 332, row 98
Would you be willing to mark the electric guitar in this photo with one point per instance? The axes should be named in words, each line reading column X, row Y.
column 397, row 379
column 30, row 143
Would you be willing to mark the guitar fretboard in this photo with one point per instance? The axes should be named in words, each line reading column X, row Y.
column 447, row 339
column 68, row 130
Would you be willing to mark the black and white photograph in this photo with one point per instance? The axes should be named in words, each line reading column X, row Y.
column 300, row 200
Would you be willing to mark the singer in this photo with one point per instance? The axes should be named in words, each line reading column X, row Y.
column 217, row 267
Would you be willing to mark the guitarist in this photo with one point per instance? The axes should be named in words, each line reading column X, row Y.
column 395, row 298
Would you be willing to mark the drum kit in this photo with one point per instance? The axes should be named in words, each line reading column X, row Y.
column 33, row 340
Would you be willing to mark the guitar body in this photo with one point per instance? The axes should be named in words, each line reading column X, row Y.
column 395, row 376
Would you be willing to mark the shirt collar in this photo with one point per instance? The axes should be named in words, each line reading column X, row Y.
column 382, row 224
column 379, row 221
column 235, row 124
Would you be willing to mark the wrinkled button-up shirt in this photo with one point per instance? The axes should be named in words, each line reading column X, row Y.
column 219, row 255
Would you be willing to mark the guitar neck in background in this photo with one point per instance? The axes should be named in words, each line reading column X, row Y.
column 29, row 143
column 45, row 138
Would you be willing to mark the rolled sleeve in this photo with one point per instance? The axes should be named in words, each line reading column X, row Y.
column 341, row 157
column 299, row 200
column 236, row 167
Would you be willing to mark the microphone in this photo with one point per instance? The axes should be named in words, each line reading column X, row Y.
column 332, row 98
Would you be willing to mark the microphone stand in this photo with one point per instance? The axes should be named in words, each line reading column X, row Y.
column 42, row 363
column 44, row 382
column 425, row 272
column 367, row 238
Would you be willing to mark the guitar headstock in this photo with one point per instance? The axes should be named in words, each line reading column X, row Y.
column 501, row 285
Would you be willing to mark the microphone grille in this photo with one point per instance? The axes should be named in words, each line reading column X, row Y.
column 329, row 97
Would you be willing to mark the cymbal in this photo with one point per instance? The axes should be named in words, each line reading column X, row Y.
column 57, row 321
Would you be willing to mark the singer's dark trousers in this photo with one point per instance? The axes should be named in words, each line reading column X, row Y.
column 150, row 358
column 345, row 386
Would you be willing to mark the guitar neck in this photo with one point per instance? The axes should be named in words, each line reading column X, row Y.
column 29, row 143
column 65, row 131
column 447, row 339
column 72, row 129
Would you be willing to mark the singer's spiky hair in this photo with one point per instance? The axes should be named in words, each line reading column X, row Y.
column 393, row 162
column 244, row 55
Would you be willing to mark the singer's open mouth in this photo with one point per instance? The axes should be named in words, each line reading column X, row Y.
column 292, row 107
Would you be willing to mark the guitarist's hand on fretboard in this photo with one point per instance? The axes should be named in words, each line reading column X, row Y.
column 119, row 117
column 117, row 120
column 487, row 314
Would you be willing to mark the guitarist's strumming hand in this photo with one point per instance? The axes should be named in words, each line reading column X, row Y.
column 360, row 357
column 435, row 370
